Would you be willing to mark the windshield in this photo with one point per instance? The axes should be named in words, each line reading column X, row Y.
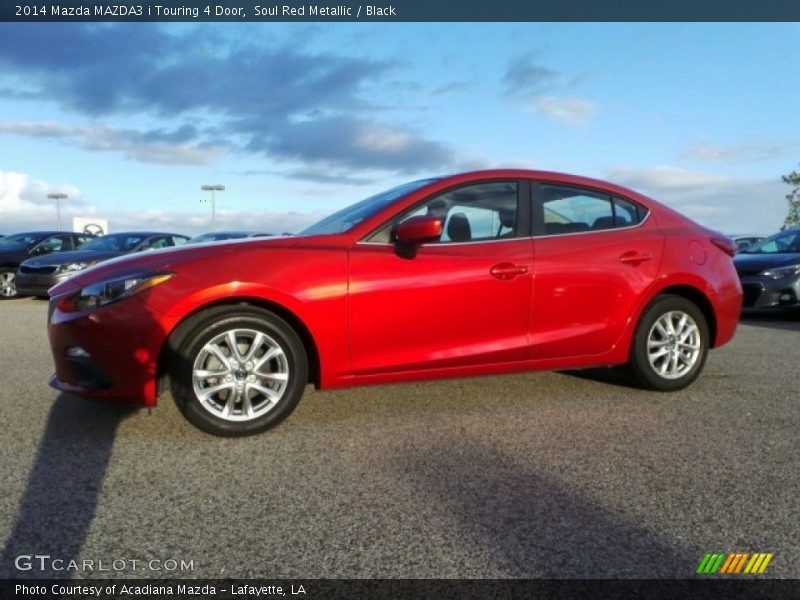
column 780, row 243
column 354, row 214
column 20, row 242
column 116, row 242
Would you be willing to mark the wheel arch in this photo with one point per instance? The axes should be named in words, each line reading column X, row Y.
column 185, row 325
column 698, row 298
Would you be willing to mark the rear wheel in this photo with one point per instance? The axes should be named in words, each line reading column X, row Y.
column 8, row 286
column 670, row 344
column 239, row 372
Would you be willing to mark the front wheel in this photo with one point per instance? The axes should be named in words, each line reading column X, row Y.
column 670, row 344
column 8, row 286
column 239, row 372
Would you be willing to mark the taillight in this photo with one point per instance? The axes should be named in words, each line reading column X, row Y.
column 727, row 245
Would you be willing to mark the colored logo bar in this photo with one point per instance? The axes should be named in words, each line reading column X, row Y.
column 735, row 563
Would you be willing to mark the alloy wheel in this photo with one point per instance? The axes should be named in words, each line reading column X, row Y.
column 674, row 344
column 8, row 287
column 240, row 374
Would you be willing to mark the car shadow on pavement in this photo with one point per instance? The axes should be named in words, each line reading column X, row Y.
column 527, row 524
column 611, row 375
column 63, row 489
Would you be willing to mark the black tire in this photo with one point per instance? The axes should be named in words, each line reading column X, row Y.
column 8, row 289
column 239, row 408
column 655, row 372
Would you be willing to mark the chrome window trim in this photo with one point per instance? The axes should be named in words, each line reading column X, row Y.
column 639, row 224
column 516, row 239
column 432, row 244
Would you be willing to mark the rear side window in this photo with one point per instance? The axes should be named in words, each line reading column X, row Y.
column 569, row 209
column 627, row 213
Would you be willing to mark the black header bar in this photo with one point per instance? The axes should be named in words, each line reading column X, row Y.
column 398, row 10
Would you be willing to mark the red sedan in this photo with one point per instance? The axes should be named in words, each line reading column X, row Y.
column 471, row 274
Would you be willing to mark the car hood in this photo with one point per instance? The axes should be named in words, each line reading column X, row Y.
column 747, row 264
column 169, row 258
column 70, row 256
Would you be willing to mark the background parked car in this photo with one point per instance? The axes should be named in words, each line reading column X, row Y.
column 218, row 236
column 770, row 272
column 16, row 248
column 37, row 275
column 745, row 240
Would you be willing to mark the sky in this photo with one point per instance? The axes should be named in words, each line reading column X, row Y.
column 297, row 120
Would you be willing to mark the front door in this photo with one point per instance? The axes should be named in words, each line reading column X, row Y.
column 464, row 299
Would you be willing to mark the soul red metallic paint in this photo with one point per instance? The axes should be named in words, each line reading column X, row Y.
column 368, row 315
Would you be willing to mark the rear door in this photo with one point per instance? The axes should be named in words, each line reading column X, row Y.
column 595, row 254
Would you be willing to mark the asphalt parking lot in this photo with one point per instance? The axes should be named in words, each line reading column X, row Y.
column 531, row 475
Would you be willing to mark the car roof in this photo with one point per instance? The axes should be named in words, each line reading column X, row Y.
column 42, row 232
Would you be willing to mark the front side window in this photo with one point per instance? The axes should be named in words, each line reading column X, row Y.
column 57, row 243
column 478, row 212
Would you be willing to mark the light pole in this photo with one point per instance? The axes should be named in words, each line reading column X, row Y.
column 58, row 197
column 213, row 189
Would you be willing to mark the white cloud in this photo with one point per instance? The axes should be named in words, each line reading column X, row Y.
column 383, row 139
column 24, row 203
column 24, row 206
column 533, row 83
column 729, row 204
column 195, row 224
column 572, row 111
column 666, row 177
column 146, row 147
column 738, row 153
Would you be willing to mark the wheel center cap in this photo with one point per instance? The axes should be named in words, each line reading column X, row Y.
column 241, row 374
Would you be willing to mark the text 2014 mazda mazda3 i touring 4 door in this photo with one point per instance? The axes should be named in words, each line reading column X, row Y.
column 477, row 273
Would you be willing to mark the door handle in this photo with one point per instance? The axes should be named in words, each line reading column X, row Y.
column 507, row 270
column 635, row 258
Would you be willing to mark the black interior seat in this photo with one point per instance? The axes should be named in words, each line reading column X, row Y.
column 458, row 229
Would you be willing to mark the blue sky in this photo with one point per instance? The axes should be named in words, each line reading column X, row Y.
column 298, row 120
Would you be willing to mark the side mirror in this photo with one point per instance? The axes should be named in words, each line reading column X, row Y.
column 418, row 230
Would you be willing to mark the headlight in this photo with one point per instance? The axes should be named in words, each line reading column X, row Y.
column 105, row 292
column 75, row 266
column 781, row 272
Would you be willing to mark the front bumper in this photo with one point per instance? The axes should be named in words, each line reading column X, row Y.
column 31, row 284
column 109, row 354
column 761, row 292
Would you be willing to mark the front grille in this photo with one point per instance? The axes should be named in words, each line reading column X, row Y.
column 37, row 270
column 752, row 291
